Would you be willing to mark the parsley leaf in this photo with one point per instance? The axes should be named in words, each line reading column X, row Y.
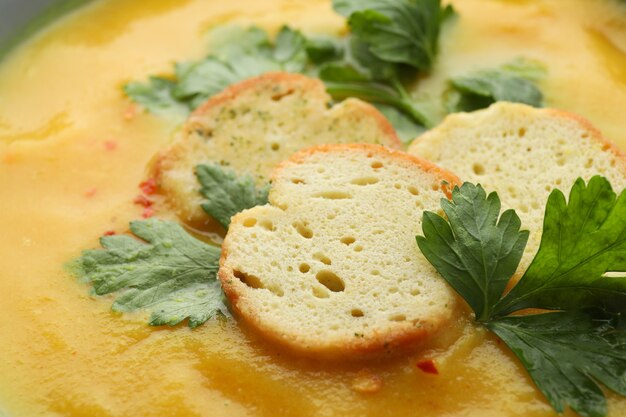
column 397, row 31
column 237, row 54
column 324, row 49
column 157, row 95
column 567, row 354
column 513, row 82
column 227, row 194
column 475, row 252
column 167, row 272
column 582, row 240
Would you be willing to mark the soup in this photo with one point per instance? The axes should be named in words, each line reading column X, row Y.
column 73, row 150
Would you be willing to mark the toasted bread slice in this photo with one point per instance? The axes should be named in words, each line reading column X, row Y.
column 330, row 266
column 253, row 125
column 523, row 153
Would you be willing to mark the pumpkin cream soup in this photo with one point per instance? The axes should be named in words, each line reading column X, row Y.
column 74, row 149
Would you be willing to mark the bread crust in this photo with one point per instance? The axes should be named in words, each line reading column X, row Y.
column 596, row 134
column 450, row 179
column 386, row 342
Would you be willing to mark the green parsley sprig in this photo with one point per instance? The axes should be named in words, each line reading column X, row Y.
column 163, row 269
column 579, row 342
column 226, row 194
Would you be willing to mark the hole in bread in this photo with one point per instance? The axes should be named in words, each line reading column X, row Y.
column 397, row 186
column 358, row 248
column 275, row 146
column 268, row 225
column 521, row 132
column 276, row 290
column 560, row 162
column 364, row 181
column 375, row 272
column 413, row 190
column 320, row 292
column 348, row 240
column 304, row 230
column 393, row 290
column 248, row 279
column 397, row 317
column 478, row 169
column 249, row 222
column 415, row 291
column 333, row 195
column 589, row 163
column 330, row 280
column 356, row 312
column 304, row 268
column 377, row 164
column 282, row 94
column 322, row 258
column 297, row 181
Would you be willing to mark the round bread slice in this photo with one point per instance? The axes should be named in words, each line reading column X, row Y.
column 253, row 125
column 522, row 153
column 330, row 266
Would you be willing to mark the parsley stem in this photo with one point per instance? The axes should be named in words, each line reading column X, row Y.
column 379, row 94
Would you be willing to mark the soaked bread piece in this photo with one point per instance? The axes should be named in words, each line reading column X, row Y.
column 253, row 125
column 330, row 266
column 523, row 153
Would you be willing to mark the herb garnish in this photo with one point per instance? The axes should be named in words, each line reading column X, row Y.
column 569, row 352
column 237, row 54
column 514, row 82
column 226, row 194
column 168, row 272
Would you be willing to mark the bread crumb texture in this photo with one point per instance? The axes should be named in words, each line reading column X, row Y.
column 522, row 153
column 253, row 125
column 330, row 266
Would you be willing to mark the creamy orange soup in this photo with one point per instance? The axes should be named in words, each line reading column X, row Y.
column 72, row 152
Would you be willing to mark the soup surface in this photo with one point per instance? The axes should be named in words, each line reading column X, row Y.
column 73, row 149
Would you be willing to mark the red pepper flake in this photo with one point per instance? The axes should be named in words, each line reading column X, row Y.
column 110, row 145
column 428, row 366
column 149, row 186
column 109, row 233
column 147, row 212
column 91, row 192
column 142, row 200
